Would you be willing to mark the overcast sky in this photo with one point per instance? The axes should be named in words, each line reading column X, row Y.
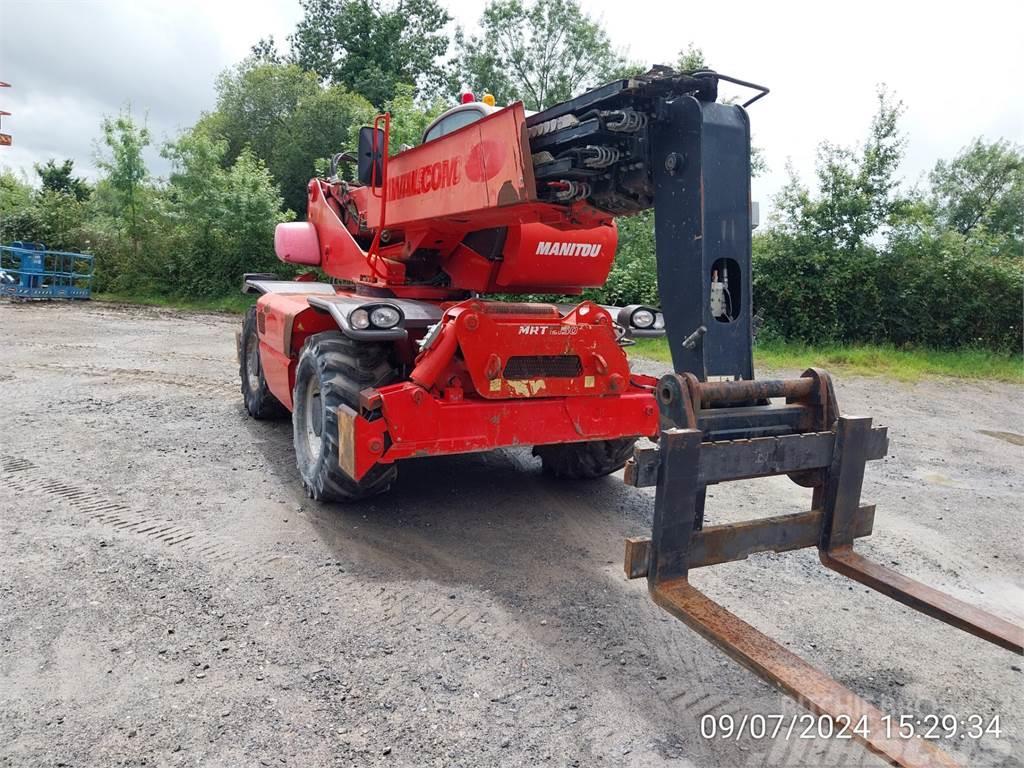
column 957, row 66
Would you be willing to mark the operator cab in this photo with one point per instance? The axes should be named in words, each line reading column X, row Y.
column 457, row 117
column 468, row 111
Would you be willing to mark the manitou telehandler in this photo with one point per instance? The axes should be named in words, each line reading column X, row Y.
column 400, row 355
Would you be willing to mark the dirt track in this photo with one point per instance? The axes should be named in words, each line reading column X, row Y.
column 169, row 597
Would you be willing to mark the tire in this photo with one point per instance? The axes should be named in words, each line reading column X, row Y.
column 332, row 371
column 587, row 460
column 259, row 402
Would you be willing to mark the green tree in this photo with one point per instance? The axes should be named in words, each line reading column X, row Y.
column 409, row 118
column 859, row 260
column 857, row 187
column 538, row 51
column 54, row 217
column 220, row 220
column 288, row 119
column 819, row 273
column 691, row 59
column 126, row 172
column 980, row 193
column 60, row 178
column 255, row 102
column 15, row 193
column 62, row 220
column 122, row 227
column 369, row 46
column 264, row 51
column 634, row 276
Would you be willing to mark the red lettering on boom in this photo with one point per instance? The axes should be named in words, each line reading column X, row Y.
column 426, row 178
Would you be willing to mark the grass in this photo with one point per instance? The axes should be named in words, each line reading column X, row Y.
column 863, row 360
column 872, row 360
column 236, row 305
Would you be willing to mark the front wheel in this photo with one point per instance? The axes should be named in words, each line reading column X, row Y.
column 332, row 371
column 587, row 460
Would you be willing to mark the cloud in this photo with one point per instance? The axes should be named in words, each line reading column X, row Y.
column 71, row 63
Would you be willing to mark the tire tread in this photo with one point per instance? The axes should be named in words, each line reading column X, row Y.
column 585, row 460
column 261, row 403
column 346, row 367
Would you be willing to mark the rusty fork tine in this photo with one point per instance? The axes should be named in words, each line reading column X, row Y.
column 925, row 599
column 781, row 667
column 814, row 451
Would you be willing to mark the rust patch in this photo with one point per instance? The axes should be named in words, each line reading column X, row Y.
column 526, row 387
column 923, row 598
column 781, row 667
column 509, row 195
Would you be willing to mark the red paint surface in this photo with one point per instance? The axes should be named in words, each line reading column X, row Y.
column 486, row 159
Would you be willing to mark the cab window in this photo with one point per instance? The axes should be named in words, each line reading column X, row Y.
column 452, row 122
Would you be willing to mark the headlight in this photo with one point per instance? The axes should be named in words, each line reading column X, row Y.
column 385, row 317
column 359, row 319
column 642, row 318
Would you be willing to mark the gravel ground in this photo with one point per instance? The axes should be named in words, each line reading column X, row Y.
column 169, row 597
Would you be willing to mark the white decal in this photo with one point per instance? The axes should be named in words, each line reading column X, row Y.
column 548, row 248
column 548, row 330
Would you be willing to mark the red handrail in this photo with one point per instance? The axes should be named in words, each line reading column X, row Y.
column 373, row 254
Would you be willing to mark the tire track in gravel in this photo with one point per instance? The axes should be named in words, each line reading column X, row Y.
column 404, row 608
column 140, row 375
column 24, row 476
column 571, row 635
column 685, row 671
column 526, row 698
column 399, row 608
column 166, row 354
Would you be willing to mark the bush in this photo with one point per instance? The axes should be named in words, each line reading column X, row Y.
column 219, row 223
column 634, row 276
column 922, row 290
column 56, row 219
column 920, row 287
column 948, row 292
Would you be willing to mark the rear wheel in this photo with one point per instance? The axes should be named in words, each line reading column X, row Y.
column 332, row 371
column 585, row 461
column 259, row 402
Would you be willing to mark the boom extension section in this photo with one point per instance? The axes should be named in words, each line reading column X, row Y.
column 661, row 141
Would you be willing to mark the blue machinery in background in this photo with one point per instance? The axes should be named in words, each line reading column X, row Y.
column 29, row 271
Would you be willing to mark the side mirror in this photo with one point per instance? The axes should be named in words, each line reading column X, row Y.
column 370, row 162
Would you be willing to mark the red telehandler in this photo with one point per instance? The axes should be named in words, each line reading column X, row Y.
column 400, row 356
